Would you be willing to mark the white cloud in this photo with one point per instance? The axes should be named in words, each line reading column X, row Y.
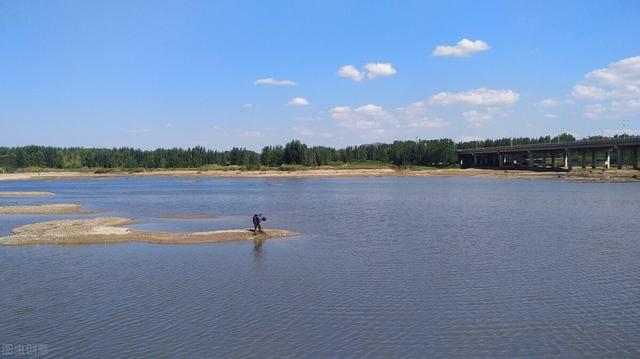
column 247, row 105
column 480, row 96
column 625, row 72
column 351, row 72
column 593, row 111
column 371, row 69
column 616, row 89
column 413, row 109
column 415, row 115
column 590, row 92
column 376, row 69
column 549, row 102
column 371, row 110
column 550, row 115
column 138, row 130
column 274, row 82
column 477, row 118
column 620, row 79
column 168, row 125
column 368, row 116
column 298, row 101
column 464, row 47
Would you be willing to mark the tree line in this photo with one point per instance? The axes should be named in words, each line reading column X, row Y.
column 423, row 152
column 438, row 152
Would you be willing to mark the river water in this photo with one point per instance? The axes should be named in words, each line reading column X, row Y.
column 385, row 267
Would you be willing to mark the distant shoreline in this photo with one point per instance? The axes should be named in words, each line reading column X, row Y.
column 598, row 175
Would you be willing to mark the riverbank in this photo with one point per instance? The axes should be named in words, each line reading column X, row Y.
column 582, row 175
column 111, row 230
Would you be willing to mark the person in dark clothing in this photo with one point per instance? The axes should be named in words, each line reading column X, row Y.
column 257, row 220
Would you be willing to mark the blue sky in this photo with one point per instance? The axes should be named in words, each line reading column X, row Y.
column 238, row 73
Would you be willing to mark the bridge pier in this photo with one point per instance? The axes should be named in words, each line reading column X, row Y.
column 568, row 160
column 593, row 159
column 500, row 160
column 544, row 160
column 553, row 159
column 607, row 162
column 620, row 157
column 634, row 156
column 583, row 162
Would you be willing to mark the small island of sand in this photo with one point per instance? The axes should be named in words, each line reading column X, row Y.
column 111, row 230
column 26, row 194
column 45, row 209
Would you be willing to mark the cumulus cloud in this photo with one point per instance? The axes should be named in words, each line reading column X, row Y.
column 616, row 88
column 549, row 102
column 368, row 116
column 247, row 105
column 371, row 70
column 620, row 79
column 464, row 47
column 481, row 96
column 590, row 92
column 414, row 115
column 351, row 72
column 593, row 111
column 274, row 82
column 298, row 101
column 478, row 118
column 625, row 72
column 376, row 69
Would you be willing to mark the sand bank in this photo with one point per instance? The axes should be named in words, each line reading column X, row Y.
column 45, row 209
column 578, row 174
column 26, row 194
column 111, row 230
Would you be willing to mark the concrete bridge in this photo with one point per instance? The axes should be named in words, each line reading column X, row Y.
column 623, row 152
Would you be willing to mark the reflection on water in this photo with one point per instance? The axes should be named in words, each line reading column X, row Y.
column 386, row 267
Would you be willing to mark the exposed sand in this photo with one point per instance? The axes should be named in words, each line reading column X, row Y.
column 578, row 174
column 26, row 194
column 188, row 217
column 45, row 209
column 110, row 230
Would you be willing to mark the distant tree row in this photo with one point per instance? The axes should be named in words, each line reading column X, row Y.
column 440, row 152
column 423, row 152
column 54, row 157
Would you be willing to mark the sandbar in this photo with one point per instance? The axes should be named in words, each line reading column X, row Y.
column 45, row 209
column 26, row 194
column 110, row 230
column 578, row 174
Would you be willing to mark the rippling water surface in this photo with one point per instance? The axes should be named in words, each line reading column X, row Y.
column 386, row 267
